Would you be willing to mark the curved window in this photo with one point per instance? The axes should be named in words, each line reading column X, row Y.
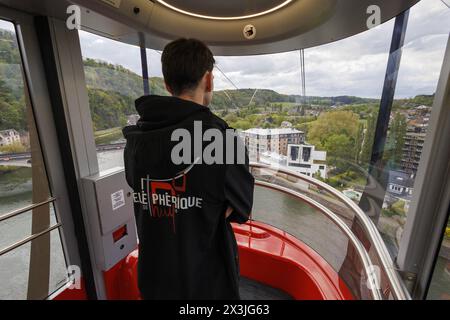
column 336, row 118
column 313, row 112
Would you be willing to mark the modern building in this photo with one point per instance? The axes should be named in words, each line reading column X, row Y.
column 412, row 151
column 303, row 159
column 418, row 119
column 400, row 184
column 8, row 137
column 260, row 141
column 306, row 159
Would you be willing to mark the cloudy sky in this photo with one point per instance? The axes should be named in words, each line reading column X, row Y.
column 354, row 66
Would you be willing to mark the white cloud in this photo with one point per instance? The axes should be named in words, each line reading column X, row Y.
column 353, row 66
column 6, row 25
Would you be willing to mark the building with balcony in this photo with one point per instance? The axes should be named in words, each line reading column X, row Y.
column 259, row 141
column 302, row 158
column 412, row 151
column 418, row 119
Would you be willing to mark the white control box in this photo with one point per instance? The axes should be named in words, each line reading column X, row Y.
column 110, row 216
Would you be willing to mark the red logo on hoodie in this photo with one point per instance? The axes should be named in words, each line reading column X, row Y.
column 164, row 198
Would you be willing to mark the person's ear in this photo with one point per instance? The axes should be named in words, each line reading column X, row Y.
column 168, row 88
column 209, row 81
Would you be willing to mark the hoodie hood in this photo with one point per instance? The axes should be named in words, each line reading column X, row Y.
column 159, row 117
column 158, row 112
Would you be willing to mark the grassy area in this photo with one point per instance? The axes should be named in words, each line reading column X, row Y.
column 346, row 179
column 15, row 175
column 399, row 207
column 396, row 209
column 16, row 147
column 108, row 136
column 8, row 169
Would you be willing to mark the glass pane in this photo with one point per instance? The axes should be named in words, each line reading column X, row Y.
column 38, row 279
column 338, row 116
column 440, row 282
column 114, row 82
column 302, row 221
column 320, row 135
column 23, row 179
column 326, row 133
column 423, row 55
column 313, row 227
column 37, row 268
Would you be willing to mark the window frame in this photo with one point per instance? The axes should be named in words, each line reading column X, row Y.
column 34, row 78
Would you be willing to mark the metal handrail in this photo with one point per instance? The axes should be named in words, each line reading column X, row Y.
column 370, row 229
column 20, row 211
column 28, row 239
column 365, row 258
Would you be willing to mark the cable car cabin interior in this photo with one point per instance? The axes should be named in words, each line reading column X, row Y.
column 328, row 222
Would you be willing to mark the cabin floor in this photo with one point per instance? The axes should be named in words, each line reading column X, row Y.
column 252, row 290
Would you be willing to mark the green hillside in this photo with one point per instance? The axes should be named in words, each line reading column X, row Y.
column 241, row 98
column 109, row 77
column 112, row 90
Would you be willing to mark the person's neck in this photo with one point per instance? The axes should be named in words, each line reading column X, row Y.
column 196, row 97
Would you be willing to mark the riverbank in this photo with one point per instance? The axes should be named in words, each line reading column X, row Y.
column 108, row 136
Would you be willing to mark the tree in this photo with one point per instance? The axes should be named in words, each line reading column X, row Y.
column 339, row 147
column 369, row 137
column 337, row 133
column 333, row 123
column 396, row 140
column 12, row 111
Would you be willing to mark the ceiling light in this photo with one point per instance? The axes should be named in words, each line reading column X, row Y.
column 193, row 14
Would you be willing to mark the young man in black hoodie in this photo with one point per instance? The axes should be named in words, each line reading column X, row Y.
column 183, row 209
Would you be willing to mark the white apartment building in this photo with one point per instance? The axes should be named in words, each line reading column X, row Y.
column 301, row 158
column 259, row 141
column 304, row 158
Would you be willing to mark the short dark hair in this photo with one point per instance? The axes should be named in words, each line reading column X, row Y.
column 184, row 63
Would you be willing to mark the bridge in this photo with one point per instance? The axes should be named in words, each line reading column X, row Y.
column 23, row 159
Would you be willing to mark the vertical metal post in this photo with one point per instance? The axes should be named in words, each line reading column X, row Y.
column 372, row 198
column 430, row 206
column 144, row 64
column 46, row 30
column 39, row 268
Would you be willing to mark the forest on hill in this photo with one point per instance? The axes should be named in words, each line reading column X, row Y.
column 112, row 90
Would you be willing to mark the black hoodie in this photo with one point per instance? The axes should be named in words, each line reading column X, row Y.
column 187, row 249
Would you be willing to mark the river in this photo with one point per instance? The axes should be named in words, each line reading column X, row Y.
column 274, row 208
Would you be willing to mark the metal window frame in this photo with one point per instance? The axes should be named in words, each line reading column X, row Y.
column 61, row 53
column 428, row 213
column 372, row 198
column 74, row 103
